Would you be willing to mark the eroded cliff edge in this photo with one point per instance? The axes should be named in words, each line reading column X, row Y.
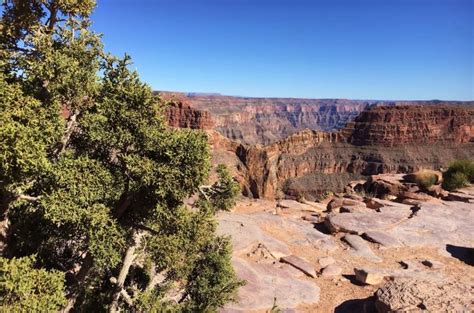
column 381, row 139
column 267, row 120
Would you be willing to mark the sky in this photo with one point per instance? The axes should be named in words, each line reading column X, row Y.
column 354, row 49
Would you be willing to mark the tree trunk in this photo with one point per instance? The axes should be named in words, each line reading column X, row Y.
column 127, row 262
column 80, row 278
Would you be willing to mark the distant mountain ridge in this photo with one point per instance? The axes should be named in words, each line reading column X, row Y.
column 267, row 120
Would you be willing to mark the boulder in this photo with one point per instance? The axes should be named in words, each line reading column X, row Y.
column 331, row 271
column 414, row 295
column 369, row 277
column 385, row 184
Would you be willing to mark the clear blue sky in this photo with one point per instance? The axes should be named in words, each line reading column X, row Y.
column 357, row 49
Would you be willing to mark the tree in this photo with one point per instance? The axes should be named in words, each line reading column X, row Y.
column 92, row 181
column 223, row 192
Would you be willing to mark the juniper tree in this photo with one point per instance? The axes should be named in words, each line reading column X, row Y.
column 92, row 181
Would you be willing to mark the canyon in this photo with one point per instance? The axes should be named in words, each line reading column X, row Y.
column 377, row 137
column 267, row 120
column 328, row 220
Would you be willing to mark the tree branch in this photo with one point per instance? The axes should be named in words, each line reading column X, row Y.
column 27, row 198
column 80, row 277
column 71, row 124
column 127, row 262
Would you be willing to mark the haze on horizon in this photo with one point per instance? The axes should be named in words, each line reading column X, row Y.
column 354, row 49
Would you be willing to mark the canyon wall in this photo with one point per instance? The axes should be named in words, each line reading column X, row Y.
column 396, row 139
column 267, row 120
column 399, row 138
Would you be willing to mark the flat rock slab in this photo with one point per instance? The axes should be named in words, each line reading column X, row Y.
column 300, row 264
column 382, row 238
column 376, row 276
column 326, row 261
column 246, row 234
column 295, row 205
column 359, row 223
column 361, row 248
column 403, row 295
column 266, row 282
column 301, row 232
column 438, row 225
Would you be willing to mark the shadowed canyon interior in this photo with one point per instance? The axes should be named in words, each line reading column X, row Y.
column 306, row 147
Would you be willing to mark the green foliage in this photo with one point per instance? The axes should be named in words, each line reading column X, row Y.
column 26, row 289
column 459, row 174
column 211, row 283
column 28, row 131
column 454, row 180
column 87, row 162
column 224, row 191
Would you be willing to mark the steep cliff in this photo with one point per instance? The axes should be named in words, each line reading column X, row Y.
column 182, row 115
column 267, row 120
column 382, row 139
column 391, row 126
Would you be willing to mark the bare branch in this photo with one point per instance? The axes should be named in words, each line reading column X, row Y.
column 27, row 198
column 71, row 124
column 127, row 262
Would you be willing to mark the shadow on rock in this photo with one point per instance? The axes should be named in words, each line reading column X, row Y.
column 321, row 227
column 464, row 254
column 366, row 305
column 353, row 280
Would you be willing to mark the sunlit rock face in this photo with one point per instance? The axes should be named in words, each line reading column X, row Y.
column 398, row 138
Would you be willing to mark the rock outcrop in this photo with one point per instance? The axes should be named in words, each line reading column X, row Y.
column 392, row 257
column 182, row 115
column 398, row 125
column 308, row 163
column 267, row 120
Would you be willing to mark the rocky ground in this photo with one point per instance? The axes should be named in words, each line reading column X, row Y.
column 382, row 245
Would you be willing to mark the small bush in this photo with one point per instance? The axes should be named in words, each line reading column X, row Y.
column 455, row 181
column 424, row 179
column 459, row 174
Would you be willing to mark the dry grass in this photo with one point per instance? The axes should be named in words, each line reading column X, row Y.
column 424, row 178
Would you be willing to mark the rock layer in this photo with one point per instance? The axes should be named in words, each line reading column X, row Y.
column 267, row 120
column 392, row 139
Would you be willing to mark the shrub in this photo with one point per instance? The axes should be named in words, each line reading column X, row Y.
column 459, row 174
column 424, row 179
column 455, row 181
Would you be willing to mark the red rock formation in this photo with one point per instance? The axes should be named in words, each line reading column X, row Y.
column 382, row 140
column 267, row 120
column 184, row 116
column 391, row 126
column 394, row 139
